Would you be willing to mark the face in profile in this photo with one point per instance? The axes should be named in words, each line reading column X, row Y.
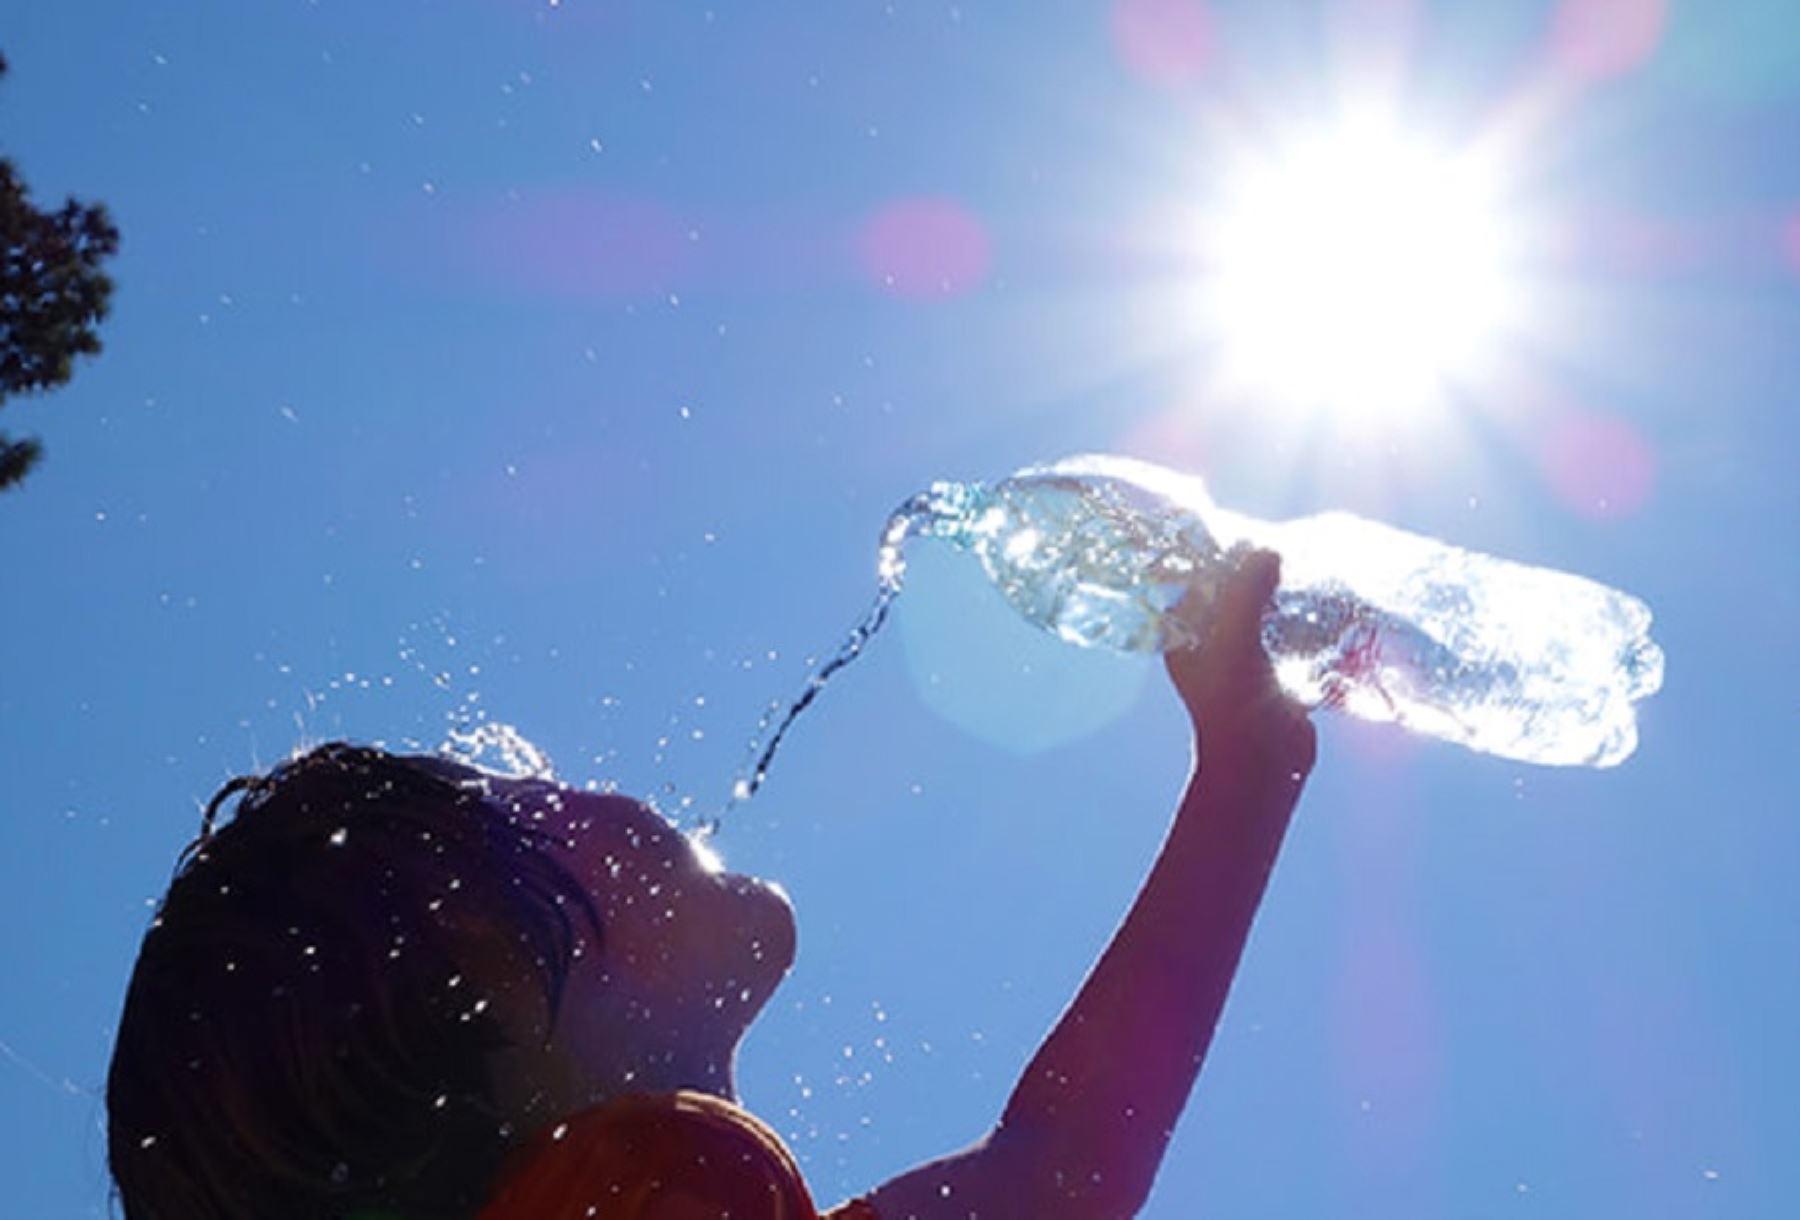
column 689, row 953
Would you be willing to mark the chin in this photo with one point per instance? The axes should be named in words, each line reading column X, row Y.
column 764, row 933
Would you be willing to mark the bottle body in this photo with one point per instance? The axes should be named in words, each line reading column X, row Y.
column 1516, row 661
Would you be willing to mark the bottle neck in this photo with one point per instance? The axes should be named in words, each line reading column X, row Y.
column 945, row 510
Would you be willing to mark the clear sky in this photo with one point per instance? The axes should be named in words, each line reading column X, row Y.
column 558, row 363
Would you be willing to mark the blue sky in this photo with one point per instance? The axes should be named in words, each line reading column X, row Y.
column 559, row 364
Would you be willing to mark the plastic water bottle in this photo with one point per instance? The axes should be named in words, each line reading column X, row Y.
column 1521, row 662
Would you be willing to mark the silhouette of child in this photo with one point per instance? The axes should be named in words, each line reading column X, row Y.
column 399, row 988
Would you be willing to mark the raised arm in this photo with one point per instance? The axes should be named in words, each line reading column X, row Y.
column 1087, row 1125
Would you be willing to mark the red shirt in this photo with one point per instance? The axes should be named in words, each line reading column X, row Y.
column 673, row 1156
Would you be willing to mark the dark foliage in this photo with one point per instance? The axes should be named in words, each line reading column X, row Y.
column 53, row 294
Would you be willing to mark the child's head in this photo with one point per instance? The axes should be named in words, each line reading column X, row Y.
column 383, row 972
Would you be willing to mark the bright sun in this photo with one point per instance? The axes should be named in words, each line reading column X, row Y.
column 1357, row 272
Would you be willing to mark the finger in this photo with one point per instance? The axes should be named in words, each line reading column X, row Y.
column 1258, row 575
column 1247, row 594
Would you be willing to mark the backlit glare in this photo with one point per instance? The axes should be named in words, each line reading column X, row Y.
column 1357, row 272
column 711, row 862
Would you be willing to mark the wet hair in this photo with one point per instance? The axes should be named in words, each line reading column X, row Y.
column 308, row 1030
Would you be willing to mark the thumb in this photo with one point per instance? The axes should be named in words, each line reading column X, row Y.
column 1221, row 617
column 1249, row 590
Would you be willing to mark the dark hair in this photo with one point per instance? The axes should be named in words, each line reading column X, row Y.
column 307, row 1031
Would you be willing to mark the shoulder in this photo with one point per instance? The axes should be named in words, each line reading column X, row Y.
column 658, row 1157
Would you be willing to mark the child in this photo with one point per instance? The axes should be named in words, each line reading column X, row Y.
column 398, row 988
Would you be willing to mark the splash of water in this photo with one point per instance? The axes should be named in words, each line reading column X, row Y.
column 493, row 746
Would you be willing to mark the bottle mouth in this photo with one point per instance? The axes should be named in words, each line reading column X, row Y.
column 944, row 510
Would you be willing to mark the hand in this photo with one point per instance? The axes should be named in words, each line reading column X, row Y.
column 1241, row 717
